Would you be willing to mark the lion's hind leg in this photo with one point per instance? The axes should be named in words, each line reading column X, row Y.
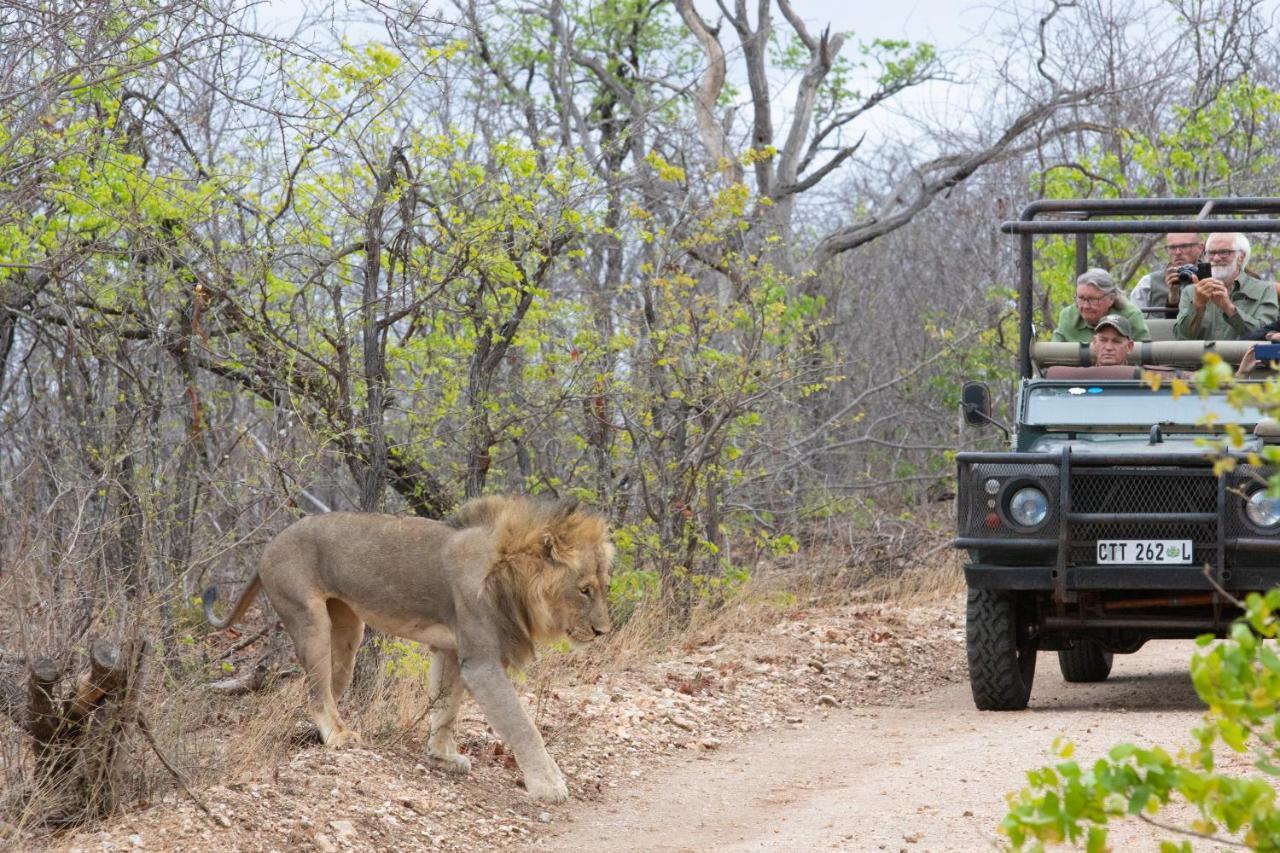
column 311, row 630
column 444, row 691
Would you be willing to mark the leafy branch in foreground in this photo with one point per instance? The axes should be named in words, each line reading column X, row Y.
column 1239, row 679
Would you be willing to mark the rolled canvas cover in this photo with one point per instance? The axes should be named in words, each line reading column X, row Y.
column 1187, row 354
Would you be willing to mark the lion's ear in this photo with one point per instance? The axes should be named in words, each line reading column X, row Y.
column 551, row 547
column 565, row 507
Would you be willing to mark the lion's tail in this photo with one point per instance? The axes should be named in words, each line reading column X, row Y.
column 246, row 598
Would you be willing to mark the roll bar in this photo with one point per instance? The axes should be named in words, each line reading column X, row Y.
column 1078, row 217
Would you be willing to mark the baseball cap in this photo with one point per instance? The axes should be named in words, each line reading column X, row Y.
column 1115, row 321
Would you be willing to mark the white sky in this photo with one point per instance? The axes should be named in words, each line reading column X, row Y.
column 945, row 23
column 953, row 26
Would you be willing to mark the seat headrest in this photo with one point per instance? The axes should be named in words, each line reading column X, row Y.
column 1117, row 371
column 1161, row 328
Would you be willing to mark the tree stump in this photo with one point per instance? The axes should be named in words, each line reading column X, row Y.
column 76, row 734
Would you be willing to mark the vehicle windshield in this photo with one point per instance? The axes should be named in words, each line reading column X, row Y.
column 1129, row 404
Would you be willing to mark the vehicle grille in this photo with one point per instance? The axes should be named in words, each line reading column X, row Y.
column 1108, row 490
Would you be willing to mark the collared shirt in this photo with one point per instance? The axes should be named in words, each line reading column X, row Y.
column 1256, row 305
column 1072, row 327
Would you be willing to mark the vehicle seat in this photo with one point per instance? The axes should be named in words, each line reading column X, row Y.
column 1161, row 328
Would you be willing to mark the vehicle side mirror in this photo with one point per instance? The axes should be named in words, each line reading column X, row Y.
column 975, row 403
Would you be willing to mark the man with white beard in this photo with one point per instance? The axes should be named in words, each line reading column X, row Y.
column 1231, row 304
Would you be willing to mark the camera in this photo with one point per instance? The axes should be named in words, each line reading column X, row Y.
column 1199, row 271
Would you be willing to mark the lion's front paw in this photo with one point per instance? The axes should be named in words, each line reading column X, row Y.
column 450, row 762
column 343, row 738
column 552, row 790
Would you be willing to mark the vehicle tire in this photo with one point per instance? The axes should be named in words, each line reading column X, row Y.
column 1002, row 661
column 1084, row 662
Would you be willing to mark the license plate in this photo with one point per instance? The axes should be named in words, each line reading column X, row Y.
column 1144, row 551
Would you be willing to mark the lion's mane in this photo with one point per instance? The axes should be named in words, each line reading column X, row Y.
column 542, row 549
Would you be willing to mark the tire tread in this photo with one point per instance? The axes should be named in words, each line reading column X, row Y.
column 998, row 679
column 1084, row 663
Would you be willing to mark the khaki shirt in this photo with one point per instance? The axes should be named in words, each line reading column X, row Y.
column 1256, row 306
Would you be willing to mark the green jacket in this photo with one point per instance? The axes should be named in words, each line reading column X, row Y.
column 1256, row 305
column 1072, row 327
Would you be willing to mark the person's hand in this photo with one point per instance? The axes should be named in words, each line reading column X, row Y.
column 1247, row 363
column 1201, row 294
column 1175, row 288
column 1272, row 337
column 1211, row 290
column 1220, row 296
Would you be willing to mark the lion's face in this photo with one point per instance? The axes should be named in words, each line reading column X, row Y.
column 584, row 604
column 553, row 561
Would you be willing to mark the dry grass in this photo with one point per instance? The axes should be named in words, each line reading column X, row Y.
column 914, row 570
column 391, row 710
column 271, row 723
column 940, row 577
column 214, row 738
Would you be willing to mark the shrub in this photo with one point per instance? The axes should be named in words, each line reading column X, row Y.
column 1239, row 680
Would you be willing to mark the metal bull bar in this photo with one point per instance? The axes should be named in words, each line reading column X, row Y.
column 1069, row 519
column 1078, row 217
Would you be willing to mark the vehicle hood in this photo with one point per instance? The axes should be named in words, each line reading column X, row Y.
column 1136, row 444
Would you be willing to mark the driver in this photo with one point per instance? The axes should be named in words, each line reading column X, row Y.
column 1112, row 341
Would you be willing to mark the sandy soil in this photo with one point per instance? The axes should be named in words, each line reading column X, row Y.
column 847, row 728
column 918, row 774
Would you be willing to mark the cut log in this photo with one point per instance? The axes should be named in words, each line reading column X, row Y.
column 43, row 719
column 104, row 707
column 104, row 677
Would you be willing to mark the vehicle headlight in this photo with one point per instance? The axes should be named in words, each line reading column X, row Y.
column 1262, row 510
column 1029, row 506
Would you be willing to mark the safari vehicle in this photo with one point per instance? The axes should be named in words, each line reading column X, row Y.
column 1108, row 524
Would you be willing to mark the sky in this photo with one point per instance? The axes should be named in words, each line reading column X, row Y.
column 954, row 27
column 945, row 23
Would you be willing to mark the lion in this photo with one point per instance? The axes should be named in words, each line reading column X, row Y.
column 480, row 589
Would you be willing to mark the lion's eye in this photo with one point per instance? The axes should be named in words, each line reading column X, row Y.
column 585, row 590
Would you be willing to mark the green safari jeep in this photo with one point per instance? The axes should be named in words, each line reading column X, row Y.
column 1108, row 523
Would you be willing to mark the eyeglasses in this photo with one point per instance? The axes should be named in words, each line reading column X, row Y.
column 1091, row 300
column 1181, row 247
column 1222, row 253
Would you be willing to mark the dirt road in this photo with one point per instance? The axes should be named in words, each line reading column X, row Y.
column 927, row 775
